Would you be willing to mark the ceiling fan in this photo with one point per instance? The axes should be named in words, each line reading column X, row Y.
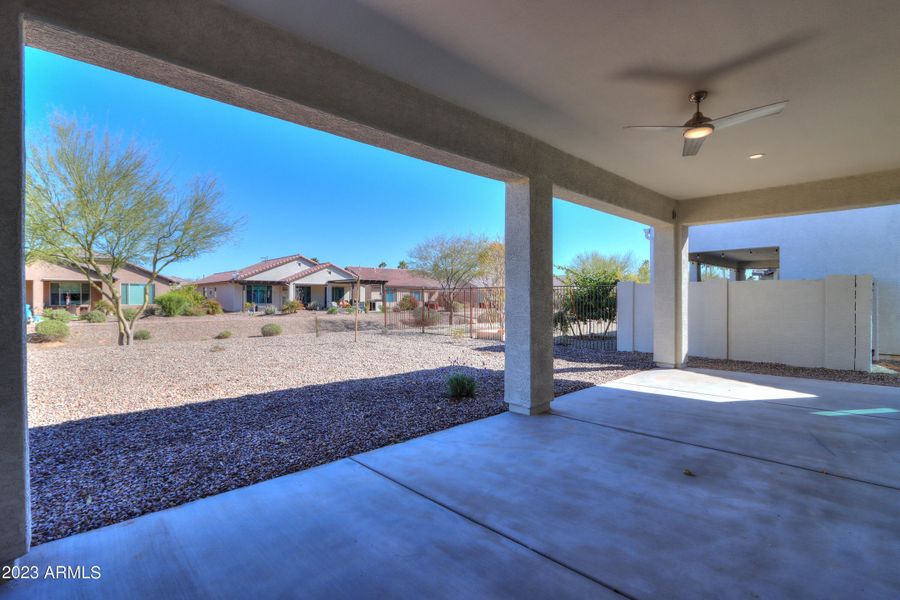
column 699, row 127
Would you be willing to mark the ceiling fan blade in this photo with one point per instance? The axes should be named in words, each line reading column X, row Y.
column 749, row 115
column 654, row 127
column 692, row 146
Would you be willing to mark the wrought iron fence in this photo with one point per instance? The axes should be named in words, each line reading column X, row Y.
column 584, row 317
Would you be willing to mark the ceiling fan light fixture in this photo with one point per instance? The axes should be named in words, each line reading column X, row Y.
column 700, row 131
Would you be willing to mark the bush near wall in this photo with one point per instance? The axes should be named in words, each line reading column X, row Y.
column 184, row 301
column 291, row 306
column 94, row 316
column 51, row 331
column 58, row 314
column 407, row 302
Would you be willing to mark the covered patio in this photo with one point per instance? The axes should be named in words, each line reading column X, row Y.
column 665, row 484
column 659, row 487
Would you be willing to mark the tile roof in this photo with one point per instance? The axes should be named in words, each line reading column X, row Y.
column 395, row 277
column 310, row 271
column 254, row 269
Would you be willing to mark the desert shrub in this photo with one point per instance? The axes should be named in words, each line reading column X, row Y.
column 105, row 306
column 212, row 306
column 270, row 310
column 223, row 335
column 407, row 302
column 142, row 334
column 313, row 305
column 172, row 303
column 58, row 314
column 332, row 310
column 489, row 316
column 271, row 329
column 291, row 306
column 461, row 386
column 458, row 333
column 94, row 316
column 247, row 306
column 423, row 316
column 181, row 301
column 197, row 310
column 50, row 330
column 130, row 314
column 458, row 307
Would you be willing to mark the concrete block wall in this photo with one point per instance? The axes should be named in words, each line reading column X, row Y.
column 817, row 323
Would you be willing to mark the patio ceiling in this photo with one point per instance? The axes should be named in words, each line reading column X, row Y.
column 573, row 73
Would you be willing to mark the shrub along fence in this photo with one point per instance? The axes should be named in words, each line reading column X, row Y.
column 582, row 316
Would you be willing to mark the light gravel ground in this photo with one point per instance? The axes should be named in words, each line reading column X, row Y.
column 118, row 432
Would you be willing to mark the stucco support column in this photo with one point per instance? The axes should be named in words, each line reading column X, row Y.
column 528, row 380
column 15, row 517
column 670, row 295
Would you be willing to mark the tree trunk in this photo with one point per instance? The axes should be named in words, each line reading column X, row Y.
column 126, row 333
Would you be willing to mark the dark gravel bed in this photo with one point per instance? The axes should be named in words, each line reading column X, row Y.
column 789, row 371
column 98, row 470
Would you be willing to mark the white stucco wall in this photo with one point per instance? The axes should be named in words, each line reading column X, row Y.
column 863, row 241
column 810, row 323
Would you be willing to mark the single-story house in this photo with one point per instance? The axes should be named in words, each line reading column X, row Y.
column 272, row 282
column 390, row 285
column 52, row 285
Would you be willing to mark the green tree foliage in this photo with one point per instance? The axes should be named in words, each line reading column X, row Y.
column 382, row 265
column 402, row 265
column 99, row 205
column 453, row 261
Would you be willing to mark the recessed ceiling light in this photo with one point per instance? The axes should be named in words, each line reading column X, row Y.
column 755, row 156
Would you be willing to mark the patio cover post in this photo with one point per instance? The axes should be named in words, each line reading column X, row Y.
column 670, row 295
column 528, row 376
column 15, row 524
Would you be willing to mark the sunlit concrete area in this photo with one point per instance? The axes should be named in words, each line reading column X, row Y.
column 665, row 484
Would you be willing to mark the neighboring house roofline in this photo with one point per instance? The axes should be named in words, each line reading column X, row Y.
column 93, row 273
column 240, row 275
column 315, row 269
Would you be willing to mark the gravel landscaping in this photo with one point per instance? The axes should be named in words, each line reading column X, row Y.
column 884, row 377
column 116, row 432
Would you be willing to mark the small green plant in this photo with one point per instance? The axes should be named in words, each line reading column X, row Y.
column 50, row 330
column 58, row 314
column 458, row 307
column 458, row 333
column 332, row 310
column 291, row 306
column 248, row 306
column 212, row 306
column 407, row 302
column 313, row 305
column 94, row 316
column 223, row 335
column 461, row 386
column 105, row 306
column 130, row 314
column 270, row 330
column 142, row 334
column 424, row 316
column 197, row 310
column 270, row 310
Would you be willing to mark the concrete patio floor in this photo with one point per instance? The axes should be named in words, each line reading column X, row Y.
column 665, row 484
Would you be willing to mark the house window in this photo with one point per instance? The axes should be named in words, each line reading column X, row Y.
column 259, row 294
column 133, row 293
column 64, row 294
column 390, row 294
column 303, row 293
column 337, row 294
column 416, row 295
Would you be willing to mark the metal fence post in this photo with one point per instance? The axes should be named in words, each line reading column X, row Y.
column 424, row 310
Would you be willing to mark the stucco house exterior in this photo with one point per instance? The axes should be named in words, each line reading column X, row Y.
column 50, row 285
column 272, row 282
column 861, row 241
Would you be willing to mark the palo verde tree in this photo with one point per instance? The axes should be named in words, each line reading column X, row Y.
column 454, row 262
column 98, row 205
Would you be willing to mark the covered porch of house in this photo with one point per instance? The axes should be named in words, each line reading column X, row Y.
column 673, row 484
column 665, row 484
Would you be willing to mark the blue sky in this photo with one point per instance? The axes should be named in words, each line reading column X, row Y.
column 297, row 189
